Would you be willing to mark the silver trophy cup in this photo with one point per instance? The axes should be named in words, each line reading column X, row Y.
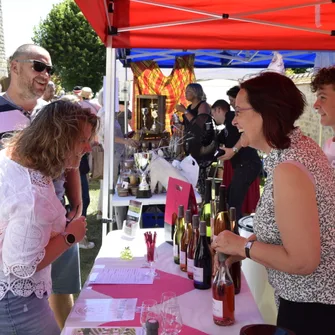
column 142, row 162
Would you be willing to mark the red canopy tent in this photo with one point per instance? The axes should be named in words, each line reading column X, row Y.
column 199, row 24
column 202, row 24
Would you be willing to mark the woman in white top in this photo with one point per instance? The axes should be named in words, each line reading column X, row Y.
column 33, row 228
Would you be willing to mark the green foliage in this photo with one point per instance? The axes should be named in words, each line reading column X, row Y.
column 297, row 70
column 78, row 55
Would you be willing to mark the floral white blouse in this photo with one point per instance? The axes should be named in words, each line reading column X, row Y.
column 30, row 215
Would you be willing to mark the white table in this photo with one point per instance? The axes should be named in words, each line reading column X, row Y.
column 156, row 199
column 196, row 305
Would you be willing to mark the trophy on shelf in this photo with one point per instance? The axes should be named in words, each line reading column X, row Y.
column 154, row 115
column 142, row 162
column 145, row 112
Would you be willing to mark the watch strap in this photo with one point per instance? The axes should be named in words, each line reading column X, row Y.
column 247, row 248
column 235, row 150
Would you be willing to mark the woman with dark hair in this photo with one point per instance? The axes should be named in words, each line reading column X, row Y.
column 195, row 118
column 294, row 221
column 34, row 230
column 194, row 94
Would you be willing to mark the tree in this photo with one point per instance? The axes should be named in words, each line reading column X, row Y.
column 78, row 55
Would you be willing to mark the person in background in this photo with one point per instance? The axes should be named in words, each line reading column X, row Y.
column 85, row 95
column 229, row 162
column 34, row 228
column 119, row 146
column 323, row 84
column 77, row 91
column 195, row 94
column 245, row 162
column 294, row 221
column 49, row 92
column 120, row 117
column 30, row 69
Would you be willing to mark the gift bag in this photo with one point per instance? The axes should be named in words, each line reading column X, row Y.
column 178, row 193
column 97, row 169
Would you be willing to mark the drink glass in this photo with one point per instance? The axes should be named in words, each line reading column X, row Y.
column 152, row 257
column 171, row 319
column 168, row 297
column 148, row 306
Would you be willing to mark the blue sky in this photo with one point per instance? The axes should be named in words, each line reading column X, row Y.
column 19, row 18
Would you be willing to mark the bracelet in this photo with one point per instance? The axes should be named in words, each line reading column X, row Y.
column 247, row 248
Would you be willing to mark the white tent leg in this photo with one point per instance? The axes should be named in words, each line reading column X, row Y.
column 109, row 103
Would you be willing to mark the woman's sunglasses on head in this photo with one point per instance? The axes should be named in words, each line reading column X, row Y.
column 38, row 66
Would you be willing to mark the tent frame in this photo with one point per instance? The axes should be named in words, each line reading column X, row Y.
column 108, row 187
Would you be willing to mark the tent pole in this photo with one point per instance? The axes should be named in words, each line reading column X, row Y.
column 125, row 103
column 272, row 10
column 109, row 103
column 167, row 24
column 280, row 25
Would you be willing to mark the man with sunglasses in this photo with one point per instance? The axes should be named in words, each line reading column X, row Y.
column 245, row 162
column 30, row 70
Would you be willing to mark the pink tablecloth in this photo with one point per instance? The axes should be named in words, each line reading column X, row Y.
column 141, row 292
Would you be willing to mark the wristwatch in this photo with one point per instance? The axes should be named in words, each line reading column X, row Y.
column 69, row 238
column 235, row 150
column 247, row 248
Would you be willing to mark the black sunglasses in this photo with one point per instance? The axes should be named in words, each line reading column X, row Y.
column 37, row 65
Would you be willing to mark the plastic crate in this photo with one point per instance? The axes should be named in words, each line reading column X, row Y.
column 152, row 220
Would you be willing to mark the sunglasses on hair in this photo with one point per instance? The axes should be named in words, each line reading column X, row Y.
column 37, row 65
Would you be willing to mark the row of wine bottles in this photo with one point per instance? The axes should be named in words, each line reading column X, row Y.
column 192, row 251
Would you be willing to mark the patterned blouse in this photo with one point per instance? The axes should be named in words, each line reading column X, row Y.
column 318, row 286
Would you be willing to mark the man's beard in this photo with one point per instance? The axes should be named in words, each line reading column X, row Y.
column 28, row 91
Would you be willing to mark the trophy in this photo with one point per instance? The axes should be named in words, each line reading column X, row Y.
column 154, row 115
column 145, row 112
column 142, row 162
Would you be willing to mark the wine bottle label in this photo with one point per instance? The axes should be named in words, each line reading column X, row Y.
column 190, row 265
column 217, row 307
column 175, row 250
column 198, row 275
column 182, row 257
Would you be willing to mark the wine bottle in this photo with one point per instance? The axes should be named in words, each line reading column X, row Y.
column 206, row 208
column 213, row 215
column 217, row 185
column 192, row 245
column 151, row 327
column 222, row 219
column 179, row 225
column 236, row 267
column 184, row 241
column 202, row 271
column 223, row 295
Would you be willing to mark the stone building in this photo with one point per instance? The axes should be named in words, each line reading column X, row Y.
column 3, row 61
column 309, row 122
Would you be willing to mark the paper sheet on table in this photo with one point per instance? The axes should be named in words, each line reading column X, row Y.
column 121, row 276
column 103, row 310
column 103, row 331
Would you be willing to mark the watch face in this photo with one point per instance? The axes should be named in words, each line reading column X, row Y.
column 70, row 238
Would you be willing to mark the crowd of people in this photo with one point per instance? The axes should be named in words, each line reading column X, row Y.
column 46, row 161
